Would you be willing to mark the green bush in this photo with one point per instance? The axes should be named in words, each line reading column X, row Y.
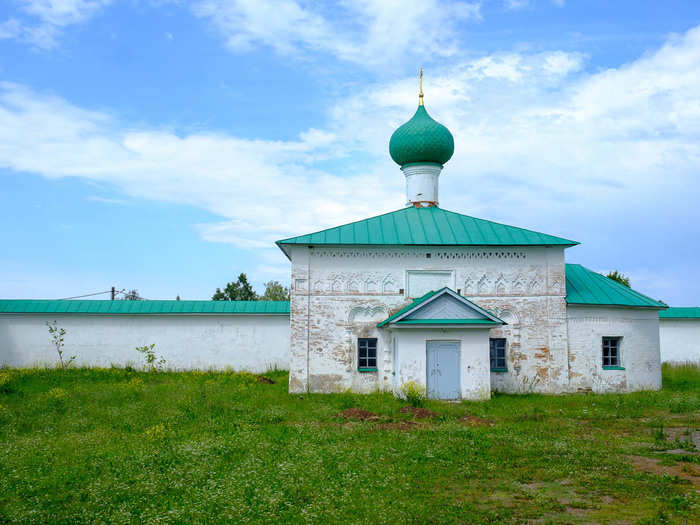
column 413, row 393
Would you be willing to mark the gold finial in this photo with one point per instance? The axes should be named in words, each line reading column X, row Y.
column 420, row 93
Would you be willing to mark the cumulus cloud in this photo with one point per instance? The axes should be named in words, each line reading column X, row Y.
column 365, row 32
column 48, row 17
column 541, row 143
column 264, row 189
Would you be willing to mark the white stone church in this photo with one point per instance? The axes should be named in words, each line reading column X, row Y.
column 458, row 304
column 462, row 306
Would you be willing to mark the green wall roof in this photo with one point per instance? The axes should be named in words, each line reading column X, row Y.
column 690, row 312
column 43, row 306
column 586, row 287
column 427, row 226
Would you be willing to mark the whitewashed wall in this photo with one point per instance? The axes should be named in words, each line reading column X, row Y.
column 243, row 342
column 474, row 358
column 680, row 339
column 639, row 329
column 340, row 293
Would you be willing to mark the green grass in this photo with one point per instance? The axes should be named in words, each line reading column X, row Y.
column 113, row 445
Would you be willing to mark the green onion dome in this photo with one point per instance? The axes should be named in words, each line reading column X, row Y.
column 421, row 139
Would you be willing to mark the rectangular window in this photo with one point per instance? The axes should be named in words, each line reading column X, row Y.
column 611, row 352
column 367, row 354
column 497, row 352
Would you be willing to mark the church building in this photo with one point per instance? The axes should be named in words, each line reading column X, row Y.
column 459, row 305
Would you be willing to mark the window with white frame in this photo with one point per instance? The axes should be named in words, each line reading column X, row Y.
column 611, row 351
column 367, row 354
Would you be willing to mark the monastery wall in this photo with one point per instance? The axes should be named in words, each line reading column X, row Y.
column 639, row 329
column 243, row 342
column 340, row 293
column 680, row 339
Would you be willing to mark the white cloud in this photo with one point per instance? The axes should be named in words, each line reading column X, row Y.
column 10, row 28
column 52, row 16
column 540, row 143
column 517, row 4
column 63, row 12
column 264, row 189
column 366, row 32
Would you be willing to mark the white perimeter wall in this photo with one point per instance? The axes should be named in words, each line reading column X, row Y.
column 680, row 339
column 639, row 329
column 243, row 342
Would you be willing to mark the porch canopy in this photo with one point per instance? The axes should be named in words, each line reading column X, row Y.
column 443, row 308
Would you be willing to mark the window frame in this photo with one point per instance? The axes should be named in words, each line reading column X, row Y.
column 368, row 342
column 497, row 368
column 614, row 362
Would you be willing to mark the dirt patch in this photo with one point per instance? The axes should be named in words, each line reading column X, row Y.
column 358, row 413
column 399, row 425
column 266, row 380
column 654, row 466
column 684, row 435
column 419, row 413
column 475, row 421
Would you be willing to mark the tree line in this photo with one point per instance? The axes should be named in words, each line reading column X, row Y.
column 242, row 290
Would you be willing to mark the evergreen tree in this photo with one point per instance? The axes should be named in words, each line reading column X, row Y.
column 620, row 278
column 239, row 290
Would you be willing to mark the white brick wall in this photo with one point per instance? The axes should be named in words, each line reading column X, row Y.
column 680, row 339
column 243, row 342
column 639, row 329
column 350, row 289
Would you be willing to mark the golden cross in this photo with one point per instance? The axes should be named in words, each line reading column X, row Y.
column 420, row 94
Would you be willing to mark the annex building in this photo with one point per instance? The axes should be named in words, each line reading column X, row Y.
column 459, row 305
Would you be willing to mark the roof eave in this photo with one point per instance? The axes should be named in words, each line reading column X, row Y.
column 645, row 307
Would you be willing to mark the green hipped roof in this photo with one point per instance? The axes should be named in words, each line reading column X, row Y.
column 425, row 298
column 681, row 312
column 43, row 306
column 586, row 287
column 421, row 139
column 427, row 226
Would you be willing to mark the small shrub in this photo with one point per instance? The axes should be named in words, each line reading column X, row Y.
column 5, row 382
column 5, row 415
column 157, row 432
column 657, row 432
column 413, row 393
column 56, row 398
column 154, row 363
column 57, row 339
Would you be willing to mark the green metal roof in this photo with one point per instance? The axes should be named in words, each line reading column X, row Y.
column 42, row 306
column 584, row 286
column 405, row 309
column 426, row 226
column 425, row 298
column 683, row 312
column 449, row 321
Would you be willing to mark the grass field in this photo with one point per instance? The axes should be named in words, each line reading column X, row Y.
column 113, row 445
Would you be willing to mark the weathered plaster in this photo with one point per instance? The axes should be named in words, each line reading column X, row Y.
column 474, row 358
column 639, row 329
column 525, row 283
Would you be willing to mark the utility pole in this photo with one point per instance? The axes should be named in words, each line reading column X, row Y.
column 113, row 292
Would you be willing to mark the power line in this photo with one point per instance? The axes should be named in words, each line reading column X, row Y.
column 112, row 291
column 87, row 295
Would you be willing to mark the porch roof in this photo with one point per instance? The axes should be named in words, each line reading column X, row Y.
column 402, row 317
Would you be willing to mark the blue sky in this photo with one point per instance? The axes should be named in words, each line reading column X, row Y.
column 165, row 145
